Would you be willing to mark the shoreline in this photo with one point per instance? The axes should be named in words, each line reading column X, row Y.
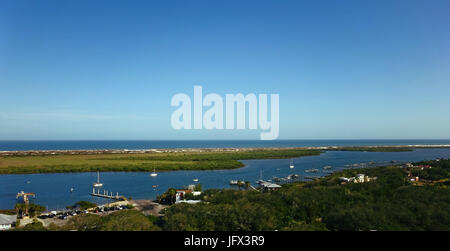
column 200, row 150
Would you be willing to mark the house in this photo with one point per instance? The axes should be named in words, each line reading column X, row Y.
column 181, row 194
column 344, row 179
column 7, row 221
column 360, row 178
column 422, row 167
column 409, row 165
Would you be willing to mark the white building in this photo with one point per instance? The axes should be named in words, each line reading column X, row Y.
column 7, row 221
column 360, row 178
column 196, row 193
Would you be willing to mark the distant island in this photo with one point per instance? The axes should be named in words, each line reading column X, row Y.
column 63, row 161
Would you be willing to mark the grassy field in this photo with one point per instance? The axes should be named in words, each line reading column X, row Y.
column 141, row 162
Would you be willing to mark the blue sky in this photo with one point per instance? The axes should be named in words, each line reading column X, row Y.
column 108, row 69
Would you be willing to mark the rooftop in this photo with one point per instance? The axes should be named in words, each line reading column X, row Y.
column 7, row 219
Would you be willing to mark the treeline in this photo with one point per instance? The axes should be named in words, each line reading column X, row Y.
column 390, row 202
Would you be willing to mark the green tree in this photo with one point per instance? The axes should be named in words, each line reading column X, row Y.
column 85, row 222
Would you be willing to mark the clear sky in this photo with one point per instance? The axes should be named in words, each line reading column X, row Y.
column 108, row 69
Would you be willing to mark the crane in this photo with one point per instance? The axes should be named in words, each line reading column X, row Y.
column 25, row 199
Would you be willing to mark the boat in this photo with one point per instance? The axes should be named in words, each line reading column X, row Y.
column 98, row 184
column 327, row 167
column 154, row 174
column 72, row 189
column 195, row 180
column 237, row 182
column 292, row 176
column 291, row 165
column 312, row 170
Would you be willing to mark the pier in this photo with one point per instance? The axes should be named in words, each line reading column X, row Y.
column 107, row 194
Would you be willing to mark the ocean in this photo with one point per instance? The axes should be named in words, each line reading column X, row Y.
column 161, row 144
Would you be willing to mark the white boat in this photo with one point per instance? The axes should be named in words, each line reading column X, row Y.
column 154, row 174
column 292, row 164
column 98, row 184
column 327, row 167
column 292, row 176
column 195, row 180
column 313, row 170
column 237, row 182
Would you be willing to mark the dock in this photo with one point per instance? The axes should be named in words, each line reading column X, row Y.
column 265, row 185
column 107, row 194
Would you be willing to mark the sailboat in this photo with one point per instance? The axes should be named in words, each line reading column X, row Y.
column 154, row 174
column 98, row 184
column 292, row 164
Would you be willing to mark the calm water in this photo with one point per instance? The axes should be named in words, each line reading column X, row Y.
column 149, row 144
column 53, row 190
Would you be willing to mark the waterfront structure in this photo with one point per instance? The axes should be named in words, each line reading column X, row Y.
column 107, row 194
column 7, row 221
column 267, row 186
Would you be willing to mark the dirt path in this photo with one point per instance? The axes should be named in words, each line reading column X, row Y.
column 148, row 207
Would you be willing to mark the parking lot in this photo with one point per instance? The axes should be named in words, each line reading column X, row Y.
column 60, row 218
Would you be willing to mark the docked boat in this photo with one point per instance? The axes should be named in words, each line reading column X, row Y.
column 292, row 176
column 237, row 182
column 98, row 184
column 312, row 170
